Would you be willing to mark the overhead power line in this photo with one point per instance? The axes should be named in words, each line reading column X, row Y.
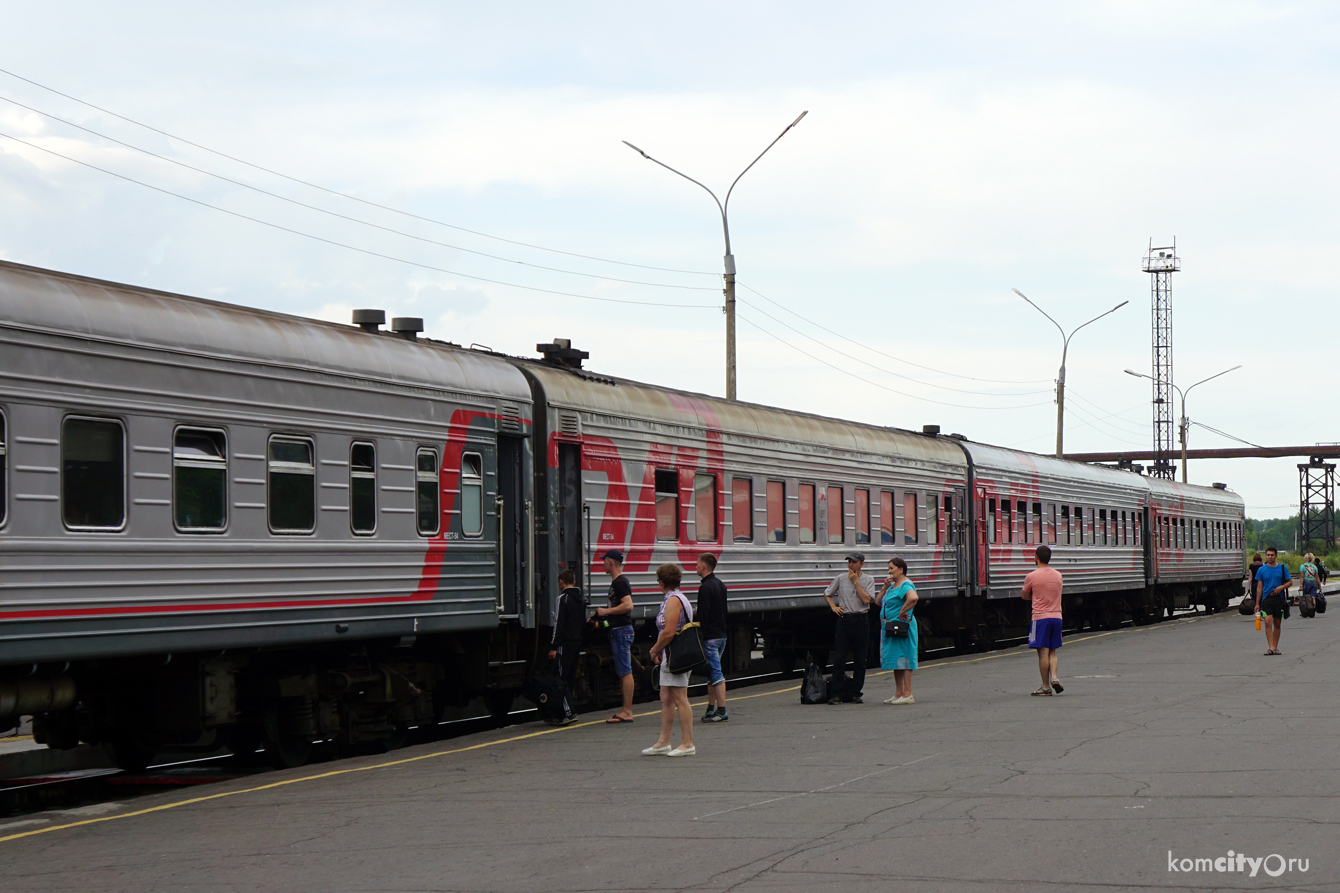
column 889, row 355
column 861, row 378
column 889, row 371
column 360, row 221
column 345, row 245
column 1226, row 434
column 345, row 195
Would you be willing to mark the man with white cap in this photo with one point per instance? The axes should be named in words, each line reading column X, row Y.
column 849, row 598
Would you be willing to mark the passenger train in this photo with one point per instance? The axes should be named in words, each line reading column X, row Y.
column 226, row 526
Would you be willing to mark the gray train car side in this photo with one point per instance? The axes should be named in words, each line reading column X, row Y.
column 185, row 476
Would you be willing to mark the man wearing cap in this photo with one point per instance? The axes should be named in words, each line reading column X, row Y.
column 849, row 597
column 619, row 617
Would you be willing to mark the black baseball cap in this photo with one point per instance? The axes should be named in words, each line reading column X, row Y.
column 614, row 555
column 856, row 556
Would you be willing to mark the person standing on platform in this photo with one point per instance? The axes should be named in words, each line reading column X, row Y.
column 1272, row 591
column 896, row 599
column 849, row 598
column 619, row 616
column 711, row 614
column 569, row 619
column 674, row 614
column 1043, row 588
column 1310, row 575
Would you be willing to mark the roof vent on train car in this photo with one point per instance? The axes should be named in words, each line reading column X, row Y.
column 511, row 417
column 369, row 320
column 1219, row 486
column 561, row 353
column 407, row 327
column 930, row 430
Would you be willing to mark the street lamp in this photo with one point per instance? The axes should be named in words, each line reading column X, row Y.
column 729, row 259
column 1060, row 379
column 1184, row 423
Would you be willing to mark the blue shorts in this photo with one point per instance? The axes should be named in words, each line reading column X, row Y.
column 1310, row 587
column 1045, row 633
column 713, row 649
column 621, row 646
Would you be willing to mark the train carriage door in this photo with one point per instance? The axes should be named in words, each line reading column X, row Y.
column 983, row 551
column 569, row 517
column 956, row 534
column 513, row 519
column 1148, row 522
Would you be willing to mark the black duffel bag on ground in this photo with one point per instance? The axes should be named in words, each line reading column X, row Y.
column 1321, row 603
column 686, row 651
column 546, row 689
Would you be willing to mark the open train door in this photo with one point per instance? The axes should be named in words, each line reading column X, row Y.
column 979, row 538
column 571, row 516
column 514, row 525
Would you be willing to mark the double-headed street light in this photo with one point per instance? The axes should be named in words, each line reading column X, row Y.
column 729, row 258
column 1060, row 377
column 1185, row 422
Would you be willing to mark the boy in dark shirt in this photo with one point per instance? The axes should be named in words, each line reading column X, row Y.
column 711, row 614
column 569, row 619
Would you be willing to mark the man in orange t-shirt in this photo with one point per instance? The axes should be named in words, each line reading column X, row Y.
column 1043, row 588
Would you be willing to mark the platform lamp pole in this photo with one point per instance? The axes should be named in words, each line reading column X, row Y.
column 729, row 259
column 1184, row 423
column 1060, row 376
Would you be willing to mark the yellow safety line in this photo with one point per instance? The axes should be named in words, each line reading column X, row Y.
column 445, row 753
column 9, row 738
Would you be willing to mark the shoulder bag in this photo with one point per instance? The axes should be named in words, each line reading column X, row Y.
column 896, row 629
column 685, row 650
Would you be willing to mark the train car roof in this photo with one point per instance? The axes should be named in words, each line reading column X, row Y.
column 1178, row 493
column 584, row 390
column 1023, row 462
column 47, row 301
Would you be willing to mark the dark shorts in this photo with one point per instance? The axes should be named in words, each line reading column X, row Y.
column 1045, row 633
column 1274, row 606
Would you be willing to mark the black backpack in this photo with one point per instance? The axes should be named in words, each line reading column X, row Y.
column 546, row 689
column 814, row 688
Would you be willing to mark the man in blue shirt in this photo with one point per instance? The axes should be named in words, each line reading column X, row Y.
column 1272, row 587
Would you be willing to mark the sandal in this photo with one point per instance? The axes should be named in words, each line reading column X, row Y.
column 1043, row 691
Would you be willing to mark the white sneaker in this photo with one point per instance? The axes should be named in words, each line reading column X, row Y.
column 909, row 700
column 893, row 700
column 655, row 751
column 682, row 751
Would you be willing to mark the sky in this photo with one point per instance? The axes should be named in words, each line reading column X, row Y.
column 465, row 163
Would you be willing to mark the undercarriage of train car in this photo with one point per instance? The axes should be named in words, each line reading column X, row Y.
column 359, row 697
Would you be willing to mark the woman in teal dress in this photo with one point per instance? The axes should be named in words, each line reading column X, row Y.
column 896, row 599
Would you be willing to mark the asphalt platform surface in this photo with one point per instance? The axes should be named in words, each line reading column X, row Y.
column 1173, row 742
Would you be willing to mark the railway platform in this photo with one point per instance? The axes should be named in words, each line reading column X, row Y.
column 1172, row 745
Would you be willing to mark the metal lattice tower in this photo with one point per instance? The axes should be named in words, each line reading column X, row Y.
column 1161, row 263
column 1316, row 503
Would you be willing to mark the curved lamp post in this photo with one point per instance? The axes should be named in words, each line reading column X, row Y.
column 1060, row 377
column 1184, row 423
column 729, row 258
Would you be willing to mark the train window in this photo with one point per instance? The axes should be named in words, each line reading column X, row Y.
column 1065, row 524
column 428, row 492
column 949, row 521
column 705, row 507
column 990, row 520
column 667, row 505
column 1021, row 509
column 862, row 517
column 1051, row 526
column 742, row 510
column 363, row 488
column 4, row 465
column 807, row 513
column 776, row 512
column 1037, row 523
column 93, row 474
column 1123, row 535
column 199, row 480
column 1102, row 523
column 472, row 494
column 886, row 525
column 1006, row 522
column 292, row 473
column 1079, row 525
column 910, row 519
column 837, row 516
column 932, row 519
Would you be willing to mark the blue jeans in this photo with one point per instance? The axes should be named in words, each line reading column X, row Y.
column 621, row 646
column 714, row 649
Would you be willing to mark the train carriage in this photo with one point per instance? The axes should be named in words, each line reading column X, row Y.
column 187, row 477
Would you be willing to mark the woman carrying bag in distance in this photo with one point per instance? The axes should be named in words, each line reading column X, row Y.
column 898, row 635
column 675, row 613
